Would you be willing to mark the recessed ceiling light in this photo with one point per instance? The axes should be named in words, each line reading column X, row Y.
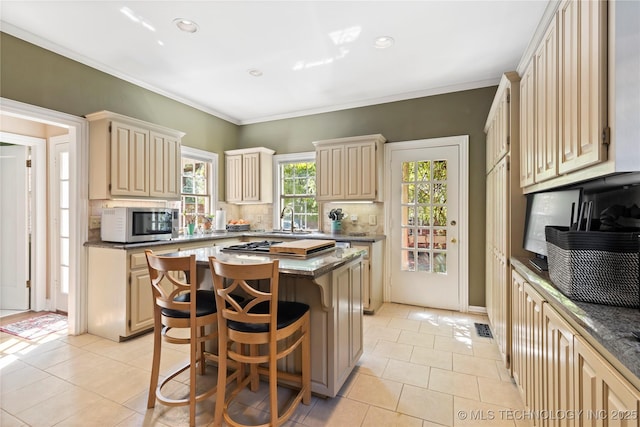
column 186, row 25
column 255, row 72
column 383, row 42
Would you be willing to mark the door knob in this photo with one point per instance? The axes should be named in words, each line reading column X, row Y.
column 453, row 222
column 454, row 240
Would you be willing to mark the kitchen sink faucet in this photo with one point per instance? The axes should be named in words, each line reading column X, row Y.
column 282, row 216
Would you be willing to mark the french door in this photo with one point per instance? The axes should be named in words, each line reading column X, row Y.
column 425, row 224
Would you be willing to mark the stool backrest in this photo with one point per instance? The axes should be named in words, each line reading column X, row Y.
column 249, row 280
column 171, row 277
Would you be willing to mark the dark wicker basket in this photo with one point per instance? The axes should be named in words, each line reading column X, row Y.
column 601, row 267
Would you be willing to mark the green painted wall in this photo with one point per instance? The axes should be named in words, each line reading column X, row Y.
column 457, row 113
column 39, row 77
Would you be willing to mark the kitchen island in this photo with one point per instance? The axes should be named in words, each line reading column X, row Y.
column 331, row 284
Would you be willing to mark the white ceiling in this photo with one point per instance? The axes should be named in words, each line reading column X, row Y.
column 315, row 56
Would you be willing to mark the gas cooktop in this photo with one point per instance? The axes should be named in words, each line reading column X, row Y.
column 262, row 246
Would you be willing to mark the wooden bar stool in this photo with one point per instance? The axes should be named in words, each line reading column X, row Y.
column 271, row 330
column 174, row 282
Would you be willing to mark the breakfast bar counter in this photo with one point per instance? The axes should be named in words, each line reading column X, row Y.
column 331, row 284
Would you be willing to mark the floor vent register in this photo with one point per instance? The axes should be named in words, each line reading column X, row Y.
column 482, row 329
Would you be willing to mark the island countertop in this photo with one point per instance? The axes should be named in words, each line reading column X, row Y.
column 311, row 267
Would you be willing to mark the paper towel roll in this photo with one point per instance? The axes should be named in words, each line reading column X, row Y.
column 221, row 220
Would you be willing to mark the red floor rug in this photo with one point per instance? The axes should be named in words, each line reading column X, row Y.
column 37, row 327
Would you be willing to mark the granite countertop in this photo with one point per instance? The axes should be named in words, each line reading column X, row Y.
column 313, row 266
column 608, row 328
column 259, row 235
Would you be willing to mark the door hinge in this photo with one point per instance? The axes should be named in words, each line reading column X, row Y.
column 28, row 163
column 508, row 98
column 28, row 284
column 129, row 323
column 109, row 127
column 508, row 139
column 606, row 135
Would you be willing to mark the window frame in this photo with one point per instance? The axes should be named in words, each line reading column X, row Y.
column 204, row 156
column 279, row 159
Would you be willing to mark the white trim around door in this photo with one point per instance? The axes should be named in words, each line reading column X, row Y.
column 79, row 195
column 462, row 142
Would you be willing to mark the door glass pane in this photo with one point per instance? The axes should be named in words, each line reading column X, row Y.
column 408, row 193
column 424, row 261
column 440, row 262
column 424, row 216
column 64, row 194
column 64, row 166
column 407, row 263
column 64, row 222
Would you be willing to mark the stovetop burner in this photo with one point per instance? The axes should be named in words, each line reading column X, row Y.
column 262, row 246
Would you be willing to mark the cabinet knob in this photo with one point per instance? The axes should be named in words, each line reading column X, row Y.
column 453, row 222
column 454, row 240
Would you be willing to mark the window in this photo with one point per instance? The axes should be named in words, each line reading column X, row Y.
column 198, row 194
column 296, row 190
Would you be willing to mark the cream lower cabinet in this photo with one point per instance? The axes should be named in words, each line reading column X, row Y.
column 120, row 301
column 559, row 375
column 372, row 265
column 132, row 158
column 557, row 366
column 527, row 340
column 601, row 394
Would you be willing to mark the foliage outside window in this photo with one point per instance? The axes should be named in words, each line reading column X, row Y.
column 196, row 200
column 298, row 191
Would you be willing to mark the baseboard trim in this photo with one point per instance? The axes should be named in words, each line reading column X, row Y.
column 477, row 309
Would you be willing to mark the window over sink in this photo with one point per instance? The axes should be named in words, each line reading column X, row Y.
column 296, row 190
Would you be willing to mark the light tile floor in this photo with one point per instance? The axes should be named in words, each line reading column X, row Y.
column 420, row 367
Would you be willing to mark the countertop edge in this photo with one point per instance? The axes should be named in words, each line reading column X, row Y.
column 372, row 238
column 607, row 328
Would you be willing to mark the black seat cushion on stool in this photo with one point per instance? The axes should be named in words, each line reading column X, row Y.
column 205, row 304
column 288, row 312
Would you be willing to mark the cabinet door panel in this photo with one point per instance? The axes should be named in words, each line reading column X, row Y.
column 164, row 165
column 602, row 395
column 251, row 177
column 129, row 160
column 558, row 364
column 233, row 164
column 583, row 93
column 527, row 125
column 546, row 95
column 329, row 170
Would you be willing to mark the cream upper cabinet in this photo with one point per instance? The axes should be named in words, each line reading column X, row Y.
column 249, row 175
column 132, row 158
column 527, row 125
column 546, row 105
column 165, row 166
column 583, row 96
column 565, row 100
column 349, row 168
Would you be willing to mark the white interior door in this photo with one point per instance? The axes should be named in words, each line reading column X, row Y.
column 424, row 226
column 14, row 228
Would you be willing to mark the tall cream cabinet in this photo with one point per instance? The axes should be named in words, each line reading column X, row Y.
column 564, row 102
column 249, row 175
column 132, row 158
column 505, row 205
column 560, row 375
column 350, row 168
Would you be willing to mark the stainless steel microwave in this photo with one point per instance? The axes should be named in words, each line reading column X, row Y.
column 132, row 225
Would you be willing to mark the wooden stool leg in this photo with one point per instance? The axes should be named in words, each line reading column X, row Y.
column 155, row 363
column 201, row 351
column 253, row 369
column 222, row 381
column 273, row 385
